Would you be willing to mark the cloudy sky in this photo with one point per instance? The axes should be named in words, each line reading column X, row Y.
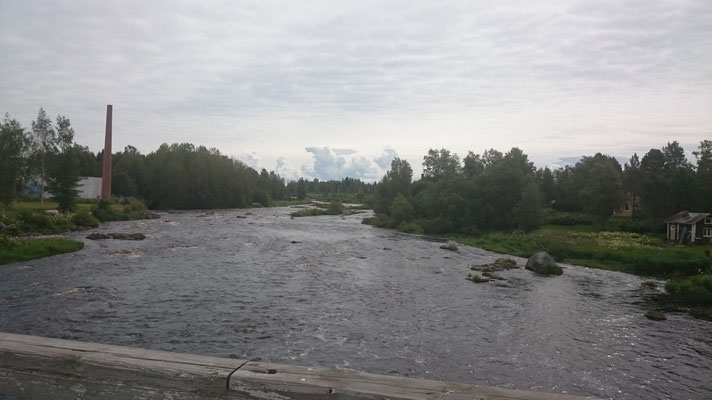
column 333, row 88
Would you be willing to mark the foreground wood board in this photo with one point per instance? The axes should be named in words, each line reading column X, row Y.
column 42, row 368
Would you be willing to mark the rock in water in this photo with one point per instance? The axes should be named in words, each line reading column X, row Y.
column 128, row 236
column 655, row 316
column 97, row 236
column 542, row 263
column 449, row 246
column 151, row 215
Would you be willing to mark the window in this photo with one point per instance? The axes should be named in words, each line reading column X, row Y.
column 708, row 221
column 707, row 232
column 626, row 207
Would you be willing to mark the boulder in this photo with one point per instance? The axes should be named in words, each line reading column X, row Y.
column 449, row 246
column 51, row 212
column 542, row 263
column 655, row 316
column 97, row 236
column 151, row 215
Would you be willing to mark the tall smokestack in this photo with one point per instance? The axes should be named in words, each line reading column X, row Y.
column 106, row 174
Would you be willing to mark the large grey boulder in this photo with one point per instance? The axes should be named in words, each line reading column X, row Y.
column 542, row 263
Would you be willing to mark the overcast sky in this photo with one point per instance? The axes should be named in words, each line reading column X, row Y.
column 331, row 88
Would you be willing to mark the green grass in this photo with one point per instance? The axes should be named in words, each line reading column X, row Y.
column 619, row 251
column 16, row 250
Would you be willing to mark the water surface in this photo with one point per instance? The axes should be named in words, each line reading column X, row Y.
column 329, row 291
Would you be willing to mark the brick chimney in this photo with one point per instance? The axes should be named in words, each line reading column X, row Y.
column 106, row 173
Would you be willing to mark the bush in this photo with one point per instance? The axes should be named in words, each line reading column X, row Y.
column 696, row 290
column 411, row 227
column 437, row 225
column 335, row 208
column 84, row 219
column 569, row 219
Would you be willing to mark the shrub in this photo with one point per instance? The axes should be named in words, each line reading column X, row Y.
column 83, row 218
column 569, row 219
column 335, row 208
column 696, row 290
column 411, row 227
column 437, row 225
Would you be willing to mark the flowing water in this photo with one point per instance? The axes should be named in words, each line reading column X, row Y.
column 329, row 291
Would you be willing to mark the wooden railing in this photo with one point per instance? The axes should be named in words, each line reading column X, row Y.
column 34, row 367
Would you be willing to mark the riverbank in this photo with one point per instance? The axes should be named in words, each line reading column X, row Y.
column 21, row 226
column 17, row 250
column 617, row 251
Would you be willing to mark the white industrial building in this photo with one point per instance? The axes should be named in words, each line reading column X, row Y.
column 89, row 187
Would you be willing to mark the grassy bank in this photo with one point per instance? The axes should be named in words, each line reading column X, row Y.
column 620, row 251
column 16, row 250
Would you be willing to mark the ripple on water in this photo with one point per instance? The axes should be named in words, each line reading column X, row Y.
column 324, row 291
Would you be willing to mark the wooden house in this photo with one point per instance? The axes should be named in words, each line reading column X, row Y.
column 689, row 227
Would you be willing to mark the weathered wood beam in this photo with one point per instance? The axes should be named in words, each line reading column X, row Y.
column 39, row 368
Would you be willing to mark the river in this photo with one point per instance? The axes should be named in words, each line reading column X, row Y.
column 329, row 291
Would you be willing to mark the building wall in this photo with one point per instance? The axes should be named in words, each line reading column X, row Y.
column 89, row 187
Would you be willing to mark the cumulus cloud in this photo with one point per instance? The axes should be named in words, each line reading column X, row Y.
column 337, row 164
column 251, row 160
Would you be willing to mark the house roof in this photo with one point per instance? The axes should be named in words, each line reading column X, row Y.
column 686, row 217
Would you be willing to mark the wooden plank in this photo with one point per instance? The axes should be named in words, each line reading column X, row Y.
column 39, row 368
column 278, row 382
column 42, row 368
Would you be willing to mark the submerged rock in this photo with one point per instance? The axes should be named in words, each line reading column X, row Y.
column 655, row 316
column 449, row 246
column 477, row 278
column 492, row 275
column 500, row 264
column 543, row 264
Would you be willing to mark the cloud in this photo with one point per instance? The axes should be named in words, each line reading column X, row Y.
column 336, row 164
column 251, row 160
column 269, row 76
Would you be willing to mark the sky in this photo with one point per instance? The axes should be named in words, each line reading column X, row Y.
column 329, row 89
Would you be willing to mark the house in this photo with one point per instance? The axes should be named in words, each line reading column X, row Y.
column 629, row 207
column 689, row 227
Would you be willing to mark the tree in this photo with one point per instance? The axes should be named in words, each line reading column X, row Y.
column 674, row 156
column 491, row 157
column 396, row 181
column 547, row 186
column 14, row 148
column 400, row 210
column 602, row 190
column 704, row 175
column 473, row 165
column 63, row 177
column 301, row 189
column 529, row 211
column 45, row 141
column 632, row 181
column 439, row 163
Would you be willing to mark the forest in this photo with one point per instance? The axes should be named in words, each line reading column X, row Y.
column 492, row 191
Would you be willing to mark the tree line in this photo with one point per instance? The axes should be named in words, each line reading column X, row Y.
column 175, row 176
column 503, row 191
